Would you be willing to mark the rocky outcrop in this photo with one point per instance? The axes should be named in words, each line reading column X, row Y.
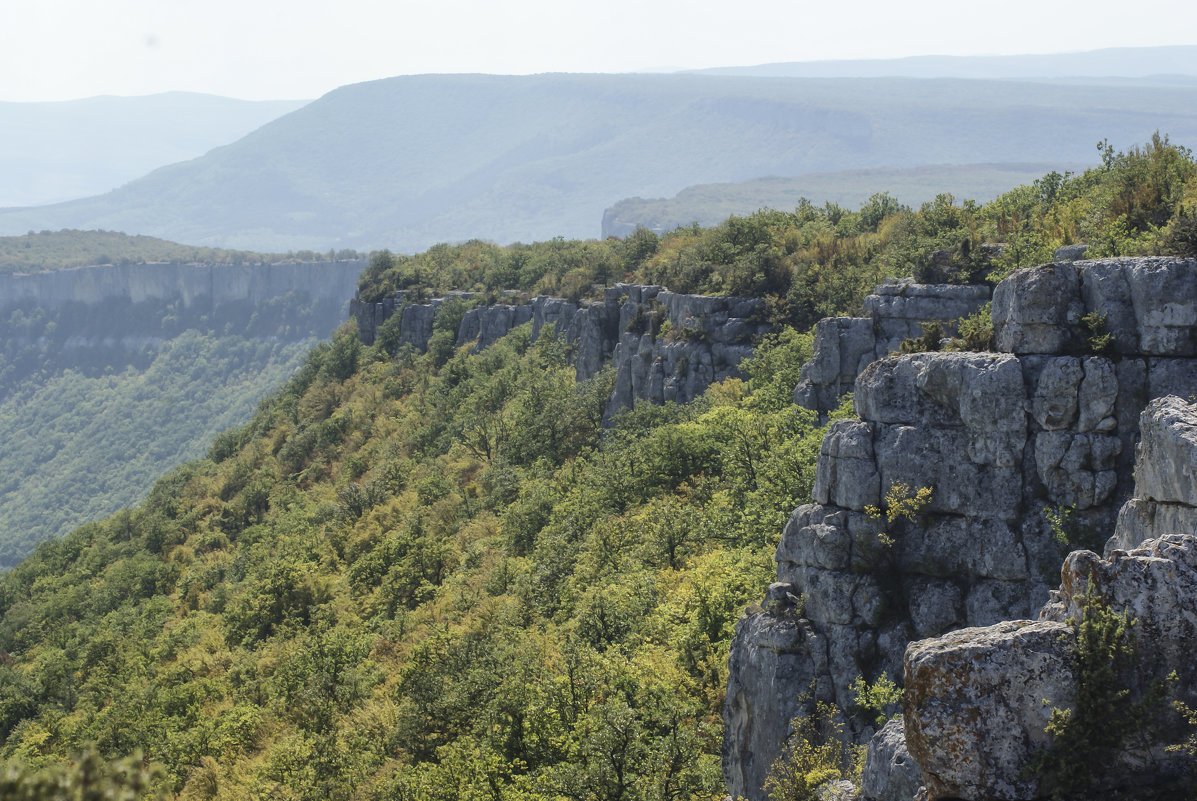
column 895, row 311
column 890, row 771
column 664, row 346
column 707, row 339
column 1001, row 439
column 192, row 284
column 978, row 700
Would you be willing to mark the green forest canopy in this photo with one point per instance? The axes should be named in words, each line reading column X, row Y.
column 437, row 577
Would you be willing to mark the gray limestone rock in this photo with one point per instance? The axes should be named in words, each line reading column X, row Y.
column 894, row 312
column 1166, row 465
column 842, row 348
column 1038, row 310
column 1141, row 520
column 415, row 327
column 1070, row 253
column 999, row 438
column 774, row 660
column 977, row 703
column 890, row 773
column 847, row 471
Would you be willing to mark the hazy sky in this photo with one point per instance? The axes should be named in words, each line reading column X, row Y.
column 258, row 49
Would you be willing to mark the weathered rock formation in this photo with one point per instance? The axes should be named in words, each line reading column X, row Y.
column 978, row 700
column 895, row 311
column 114, row 312
column 1001, row 439
column 191, row 284
column 664, row 346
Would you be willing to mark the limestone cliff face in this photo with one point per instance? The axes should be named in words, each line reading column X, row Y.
column 130, row 309
column 999, row 438
column 190, row 283
column 664, row 346
column 895, row 311
column 975, row 712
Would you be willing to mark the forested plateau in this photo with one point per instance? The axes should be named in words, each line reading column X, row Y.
column 438, row 575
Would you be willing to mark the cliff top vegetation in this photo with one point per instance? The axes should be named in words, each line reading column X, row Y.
column 818, row 261
column 44, row 251
column 423, row 578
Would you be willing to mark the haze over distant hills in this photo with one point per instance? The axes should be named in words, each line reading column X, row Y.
column 711, row 204
column 410, row 161
column 59, row 151
column 1121, row 62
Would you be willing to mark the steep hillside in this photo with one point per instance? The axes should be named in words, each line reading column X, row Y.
column 111, row 374
column 437, row 576
column 406, row 162
column 50, row 152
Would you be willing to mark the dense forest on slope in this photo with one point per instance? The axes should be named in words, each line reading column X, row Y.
column 410, row 161
column 98, row 399
column 436, row 576
column 78, row 447
column 59, row 250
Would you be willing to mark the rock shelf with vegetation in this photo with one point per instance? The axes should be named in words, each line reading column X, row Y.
column 443, row 574
column 1021, row 454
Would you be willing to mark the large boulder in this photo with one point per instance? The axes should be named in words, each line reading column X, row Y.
column 977, row 700
column 977, row 704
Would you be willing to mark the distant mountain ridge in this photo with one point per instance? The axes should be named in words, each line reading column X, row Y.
column 407, row 162
column 1121, row 62
column 57, row 151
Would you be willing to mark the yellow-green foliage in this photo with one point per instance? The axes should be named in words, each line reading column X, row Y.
column 880, row 700
column 85, row 777
column 415, row 579
column 899, row 504
column 816, row 752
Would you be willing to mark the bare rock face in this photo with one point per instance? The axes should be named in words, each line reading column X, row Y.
column 1002, row 440
column 707, row 337
column 975, row 717
column 891, row 772
column 1148, row 305
column 895, row 311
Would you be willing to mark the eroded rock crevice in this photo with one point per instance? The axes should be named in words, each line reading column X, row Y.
column 1020, row 448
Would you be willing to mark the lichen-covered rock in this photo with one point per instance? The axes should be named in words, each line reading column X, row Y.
column 977, row 704
column 1166, row 470
column 890, row 772
column 976, row 700
column 1001, row 440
